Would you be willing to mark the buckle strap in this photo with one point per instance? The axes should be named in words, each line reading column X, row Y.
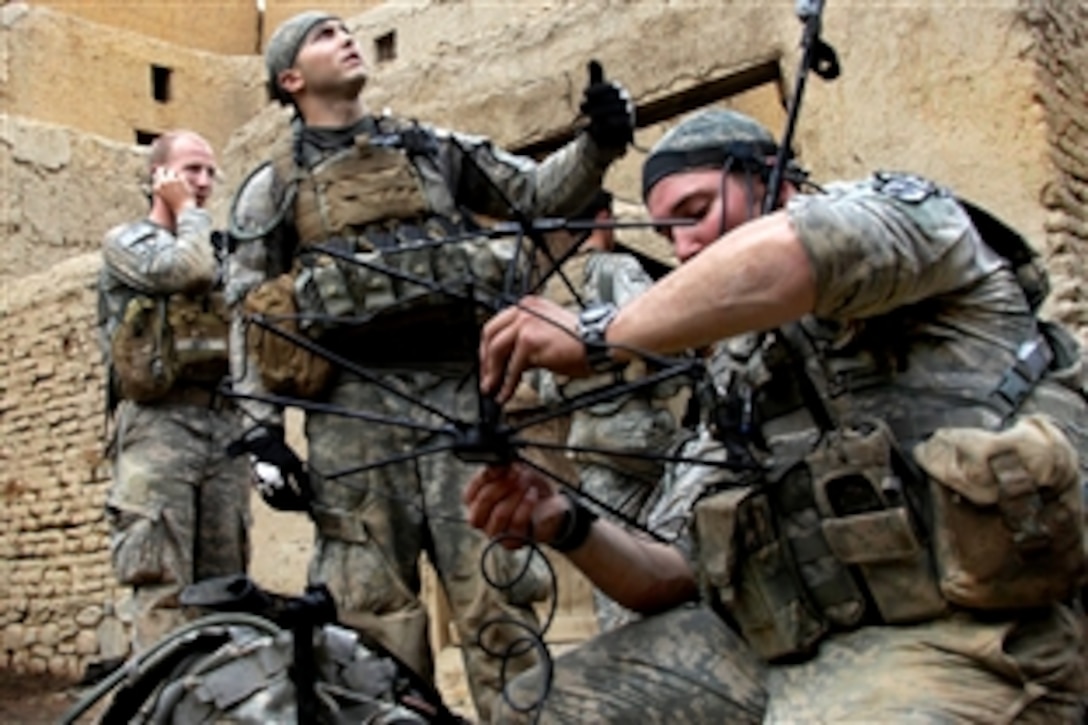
column 1033, row 359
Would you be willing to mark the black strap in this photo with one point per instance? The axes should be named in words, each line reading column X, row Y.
column 576, row 525
column 1033, row 359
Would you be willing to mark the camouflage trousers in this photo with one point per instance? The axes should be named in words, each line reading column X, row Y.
column 681, row 666
column 178, row 510
column 954, row 669
column 373, row 525
column 687, row 666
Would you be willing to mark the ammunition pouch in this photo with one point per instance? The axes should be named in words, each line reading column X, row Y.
column 863, row 486
column 161, row 342
column 426, row 295
column 1008, row 521
column 1004, row 531
column 829, row 544
column 286, row 367
column 748, row 568
column 141, row 350
column 200, row 327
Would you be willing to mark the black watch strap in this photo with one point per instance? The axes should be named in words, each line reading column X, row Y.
column 575, row 527
column 593, row 322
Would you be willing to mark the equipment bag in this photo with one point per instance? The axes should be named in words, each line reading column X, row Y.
column 142, row 350
column 286, row 367
column 1008, row 514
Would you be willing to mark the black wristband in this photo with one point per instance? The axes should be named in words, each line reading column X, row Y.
column 576, row 525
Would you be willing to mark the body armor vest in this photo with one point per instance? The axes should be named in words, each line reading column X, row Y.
column 355, row 188
column 380, row 276
column 163, row 342
column 848, row 528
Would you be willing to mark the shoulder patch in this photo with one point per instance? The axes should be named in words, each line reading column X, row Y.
column 909, row 188
column 128, row 235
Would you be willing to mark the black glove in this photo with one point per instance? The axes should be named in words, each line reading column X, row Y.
column 608, row 107
column 278, row 473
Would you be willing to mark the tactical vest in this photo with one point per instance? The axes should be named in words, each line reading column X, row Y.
column 975, row 504
column 380, row 277
column 164, row 342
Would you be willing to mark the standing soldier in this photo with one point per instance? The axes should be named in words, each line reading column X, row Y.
column 389, row 194
column 178, row 506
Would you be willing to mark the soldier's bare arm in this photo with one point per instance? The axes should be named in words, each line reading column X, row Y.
column 641, row 574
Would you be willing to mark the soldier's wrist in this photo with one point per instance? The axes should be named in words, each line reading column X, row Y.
column 574, row 526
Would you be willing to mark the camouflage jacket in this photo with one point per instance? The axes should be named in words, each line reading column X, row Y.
column 458, row 176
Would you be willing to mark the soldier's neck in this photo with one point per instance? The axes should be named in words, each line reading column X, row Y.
column 334, row 114
column 160, row 214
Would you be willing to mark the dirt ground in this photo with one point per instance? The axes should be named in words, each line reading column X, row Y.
column 30, row 700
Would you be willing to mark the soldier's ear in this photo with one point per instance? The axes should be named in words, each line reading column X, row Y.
column 291, row 80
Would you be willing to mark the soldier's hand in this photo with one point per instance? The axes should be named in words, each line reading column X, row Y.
column 279, row 475
column 516, row 503
column 609, row 109
column 535, row 333
column 174, row 190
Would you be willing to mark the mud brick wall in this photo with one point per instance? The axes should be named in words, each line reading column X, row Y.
column 53, row 537
column 1062, row 56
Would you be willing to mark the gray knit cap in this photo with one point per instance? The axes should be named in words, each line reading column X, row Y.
column 707, row 139
column 284, row 45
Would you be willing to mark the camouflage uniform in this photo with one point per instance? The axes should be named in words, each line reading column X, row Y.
column 916, row 322
column 178, row 506
column 373, row 526
column 641, row 423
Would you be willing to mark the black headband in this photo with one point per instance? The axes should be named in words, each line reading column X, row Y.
column 750, row 155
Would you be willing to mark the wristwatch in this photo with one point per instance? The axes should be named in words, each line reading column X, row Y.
column 593, row 321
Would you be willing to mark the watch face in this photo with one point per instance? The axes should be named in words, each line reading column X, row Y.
column 594, row 315
column 591, row 319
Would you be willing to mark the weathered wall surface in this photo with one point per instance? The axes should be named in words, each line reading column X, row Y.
column 986, row 97
column 276, row 11
column 60, row 190
column 1062, row 53
column 97, row 79
column 925, row 86
column 229, row 27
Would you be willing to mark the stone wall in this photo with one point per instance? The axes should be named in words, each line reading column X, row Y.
column 97, row 79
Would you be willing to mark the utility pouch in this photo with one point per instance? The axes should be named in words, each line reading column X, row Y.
column 858, row 480
column 200, row 328
column 286, row 367
column 1008, row 521
column 745, row 564
column 142, row 350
